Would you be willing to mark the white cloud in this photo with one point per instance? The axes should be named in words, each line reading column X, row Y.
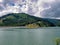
column 28, row 6
column 1, row 0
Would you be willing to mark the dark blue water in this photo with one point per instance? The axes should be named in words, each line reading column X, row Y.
column 19, row 36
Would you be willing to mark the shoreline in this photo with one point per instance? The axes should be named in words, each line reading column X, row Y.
column 22, row 27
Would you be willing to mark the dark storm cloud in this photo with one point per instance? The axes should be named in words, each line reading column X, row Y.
column 54, row 11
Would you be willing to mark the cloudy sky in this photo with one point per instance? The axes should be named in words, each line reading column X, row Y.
column 39, row 8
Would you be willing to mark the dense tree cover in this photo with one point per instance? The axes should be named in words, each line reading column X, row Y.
column 22, row 19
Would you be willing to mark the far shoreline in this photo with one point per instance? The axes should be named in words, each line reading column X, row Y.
column 23, row 27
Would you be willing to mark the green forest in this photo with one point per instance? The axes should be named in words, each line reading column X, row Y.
column 22, row 19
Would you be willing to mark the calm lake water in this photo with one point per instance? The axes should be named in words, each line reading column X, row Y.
column 22, row 36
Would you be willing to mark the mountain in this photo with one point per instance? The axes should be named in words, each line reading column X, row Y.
column 22, row 19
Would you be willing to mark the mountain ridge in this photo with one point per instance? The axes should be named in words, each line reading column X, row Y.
column 23, row 19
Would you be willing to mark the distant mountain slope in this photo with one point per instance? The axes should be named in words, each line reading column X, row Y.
column 22, row 19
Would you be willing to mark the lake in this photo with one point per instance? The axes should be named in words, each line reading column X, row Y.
column 24, row 36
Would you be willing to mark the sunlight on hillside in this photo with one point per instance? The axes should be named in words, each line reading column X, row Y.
column 32, row 26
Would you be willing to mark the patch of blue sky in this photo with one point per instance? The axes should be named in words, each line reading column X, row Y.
column 1, row 8
column 23, row 0
column 34, row 0
column 11, row 4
